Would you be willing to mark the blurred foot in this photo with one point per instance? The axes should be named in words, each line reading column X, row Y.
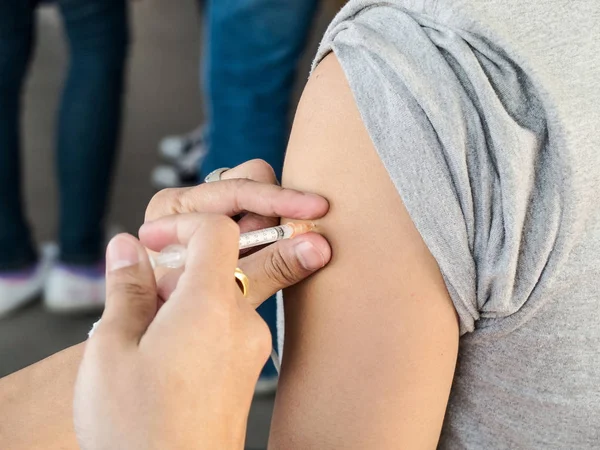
column 74, row 289
column 169, row 177
column 173, row 148
column 191, row 150
column 18, row 288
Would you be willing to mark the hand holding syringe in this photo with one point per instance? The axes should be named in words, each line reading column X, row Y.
column 173, row 256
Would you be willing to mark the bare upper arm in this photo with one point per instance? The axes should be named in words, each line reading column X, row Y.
column 371, row 340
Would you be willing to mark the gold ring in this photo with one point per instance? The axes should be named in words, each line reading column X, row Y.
column 242, row 281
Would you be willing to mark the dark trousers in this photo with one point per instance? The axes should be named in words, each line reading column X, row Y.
column 87, row 127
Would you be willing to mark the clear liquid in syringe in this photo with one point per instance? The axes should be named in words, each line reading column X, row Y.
column 262, row 237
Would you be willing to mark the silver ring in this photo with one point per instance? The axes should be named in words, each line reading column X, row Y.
column 215, row 175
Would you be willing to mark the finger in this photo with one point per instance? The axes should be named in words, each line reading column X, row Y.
column 253, row 222
column 131, row 301
column 283, row 264
column 212, row 243
column 255, row 169
column 234, row 196
column 212, row 255
column 179, row 229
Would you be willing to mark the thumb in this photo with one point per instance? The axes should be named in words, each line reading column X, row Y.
column 131, row 300
column 283, row 264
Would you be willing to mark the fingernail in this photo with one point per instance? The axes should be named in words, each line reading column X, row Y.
column 146, row 224
column 311, row 195
column 309, row 256
column 121, row 252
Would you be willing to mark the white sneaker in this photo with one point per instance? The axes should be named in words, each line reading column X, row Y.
column 184, row 172
column 173, row 148
column 164, row 176
column 18, row 289
column 69, row 290
column 186, row 154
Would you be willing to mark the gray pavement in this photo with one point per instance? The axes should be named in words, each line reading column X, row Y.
column 162, row 98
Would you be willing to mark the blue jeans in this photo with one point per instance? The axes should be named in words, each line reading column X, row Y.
column 88, row 124
column 253, row 47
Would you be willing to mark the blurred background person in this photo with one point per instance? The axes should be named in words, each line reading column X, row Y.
column 251, row 53
column 87, row 133
column 252, row 50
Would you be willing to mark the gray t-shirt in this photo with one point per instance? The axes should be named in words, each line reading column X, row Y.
column 485, row 114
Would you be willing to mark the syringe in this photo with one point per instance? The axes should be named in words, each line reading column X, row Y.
column 173, row 256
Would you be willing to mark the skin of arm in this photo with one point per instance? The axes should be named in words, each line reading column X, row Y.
column 371, row 341
column 36, row 404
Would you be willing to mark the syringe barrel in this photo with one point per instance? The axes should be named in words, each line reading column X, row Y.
column 265, row 236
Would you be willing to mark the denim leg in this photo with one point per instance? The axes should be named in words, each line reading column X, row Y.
column 253, row 47
column 89, row 122
column 16, row 44
column 253, row 50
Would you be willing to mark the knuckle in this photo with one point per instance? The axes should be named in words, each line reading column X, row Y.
column 279, row 270
column 136, row 291
column 141, row 300
column 261, row 170
column 177, row 205
column 145, row 306
column 240, row 183
column 163, row 203
column 131, row 291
